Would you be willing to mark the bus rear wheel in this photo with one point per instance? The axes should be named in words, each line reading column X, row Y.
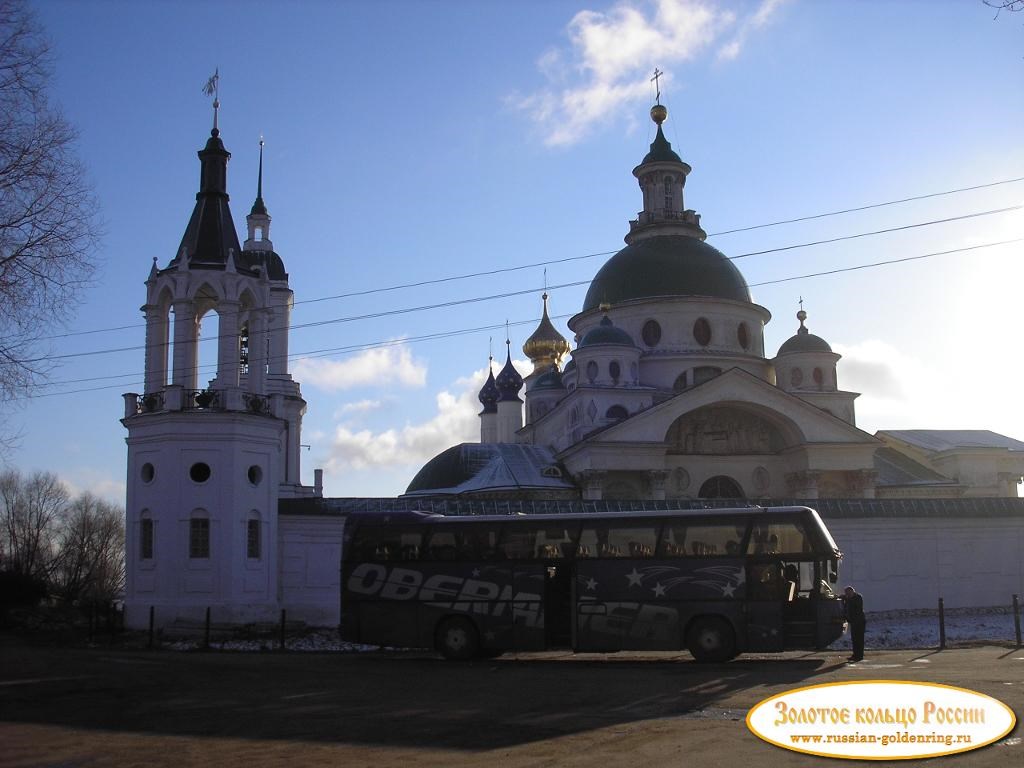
column 711, row 639
column 456, row 639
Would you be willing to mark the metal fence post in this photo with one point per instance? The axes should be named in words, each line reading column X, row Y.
column 206, row 629
column 942, row 625
column 281, row 645
column 1016, row 618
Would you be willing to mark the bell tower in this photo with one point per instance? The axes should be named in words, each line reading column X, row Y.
column 208, row 462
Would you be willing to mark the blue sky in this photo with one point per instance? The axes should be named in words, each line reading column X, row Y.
column 407, row 141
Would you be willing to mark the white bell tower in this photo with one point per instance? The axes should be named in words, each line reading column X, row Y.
column 207, row 463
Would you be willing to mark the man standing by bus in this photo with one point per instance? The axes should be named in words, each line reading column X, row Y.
column 855, row 616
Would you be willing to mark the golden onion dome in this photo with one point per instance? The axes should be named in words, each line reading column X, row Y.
column 546, row 346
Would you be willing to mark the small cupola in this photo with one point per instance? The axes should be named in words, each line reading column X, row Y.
column 489, row 394
column 805, row 362
column 258, row 220
column 606, row 333
column 546, row 346
column 508, row 381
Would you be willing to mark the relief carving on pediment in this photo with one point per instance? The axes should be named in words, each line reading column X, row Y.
column 723, row 431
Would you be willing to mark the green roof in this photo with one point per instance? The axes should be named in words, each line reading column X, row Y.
column 666, row 265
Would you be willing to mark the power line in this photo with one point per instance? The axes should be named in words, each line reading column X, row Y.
column 509, row 294
column 867, row 207
column 463, row 331
column 534, row 265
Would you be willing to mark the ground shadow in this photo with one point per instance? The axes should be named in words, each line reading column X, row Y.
column 387, row 699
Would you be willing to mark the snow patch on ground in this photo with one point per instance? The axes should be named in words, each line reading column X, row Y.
column 891, row 630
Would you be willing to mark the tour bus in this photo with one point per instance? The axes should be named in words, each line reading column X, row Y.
column 715, row 582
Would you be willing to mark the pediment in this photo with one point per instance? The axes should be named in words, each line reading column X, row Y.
column 735, row 412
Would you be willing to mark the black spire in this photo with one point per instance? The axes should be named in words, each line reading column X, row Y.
column 210, row 236
column 258, row 207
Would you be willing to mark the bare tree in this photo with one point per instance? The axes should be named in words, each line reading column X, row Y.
column 32, row 510
column 89, row 562
column 1005, row 5
column 48, row 213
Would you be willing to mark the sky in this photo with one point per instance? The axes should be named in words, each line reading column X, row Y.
column 408, row 142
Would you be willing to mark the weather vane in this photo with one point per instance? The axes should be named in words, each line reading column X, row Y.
column 212, row 88
column 657, row 86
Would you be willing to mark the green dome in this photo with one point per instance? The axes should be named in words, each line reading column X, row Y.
column 605, row 333
column 666, row 265
column 804, row 341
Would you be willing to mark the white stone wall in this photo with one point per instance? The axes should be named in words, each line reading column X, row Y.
column 310, row 549
column 912, row 562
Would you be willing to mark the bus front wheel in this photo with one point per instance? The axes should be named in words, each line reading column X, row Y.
column 456, row 639
column 711, row 638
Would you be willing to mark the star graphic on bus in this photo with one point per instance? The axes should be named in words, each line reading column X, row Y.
column 728, row 590
column 634, row 578
column 591, row 584
column 658, row 590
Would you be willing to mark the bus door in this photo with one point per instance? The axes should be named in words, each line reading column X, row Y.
column 558, row 583
column 765, row 603
column 542, row 582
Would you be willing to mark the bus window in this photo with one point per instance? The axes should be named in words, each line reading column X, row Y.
column 702, row 539
column 470, row 542
column 780, row 538
column 379, row 543
column 618, row 541
column 523, row 541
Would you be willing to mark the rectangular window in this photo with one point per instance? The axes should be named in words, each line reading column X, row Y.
column 698, row 538
column 146, row 539
column 636, row 540
column 252, row 545
column 198, row 538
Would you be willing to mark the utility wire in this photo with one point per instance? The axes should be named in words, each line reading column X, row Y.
column 447, row 334
column 505, row 270
column 509, row 294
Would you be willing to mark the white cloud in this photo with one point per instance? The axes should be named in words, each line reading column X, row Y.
column 455, row 421
column 97, row 482
column 373, row 367
column 898, row 391
column 361, row 406
column 757, row 20
column 612, row 54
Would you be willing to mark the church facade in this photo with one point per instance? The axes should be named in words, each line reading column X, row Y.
column 668, row 397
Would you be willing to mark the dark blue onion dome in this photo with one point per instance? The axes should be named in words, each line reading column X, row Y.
column 666, row 265
column 509, row 382
column 550, row 380
column 804, row 340
column 605, row 333
column 489, row 393
column 569, row 367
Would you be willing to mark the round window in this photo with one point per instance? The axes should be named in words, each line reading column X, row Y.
column 819, row 377
column 651, row 333
column 148, row 473
column 614, row 370
column 796, row 377
column 743, row 336
column 702, row 331
column 591, row 370
column 255, row 474
column 199, row 472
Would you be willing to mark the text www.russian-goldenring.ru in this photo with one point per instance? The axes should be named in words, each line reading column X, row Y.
column 884, row 739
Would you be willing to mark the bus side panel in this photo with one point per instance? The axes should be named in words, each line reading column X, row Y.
column 641, row 604
column 764, row 627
